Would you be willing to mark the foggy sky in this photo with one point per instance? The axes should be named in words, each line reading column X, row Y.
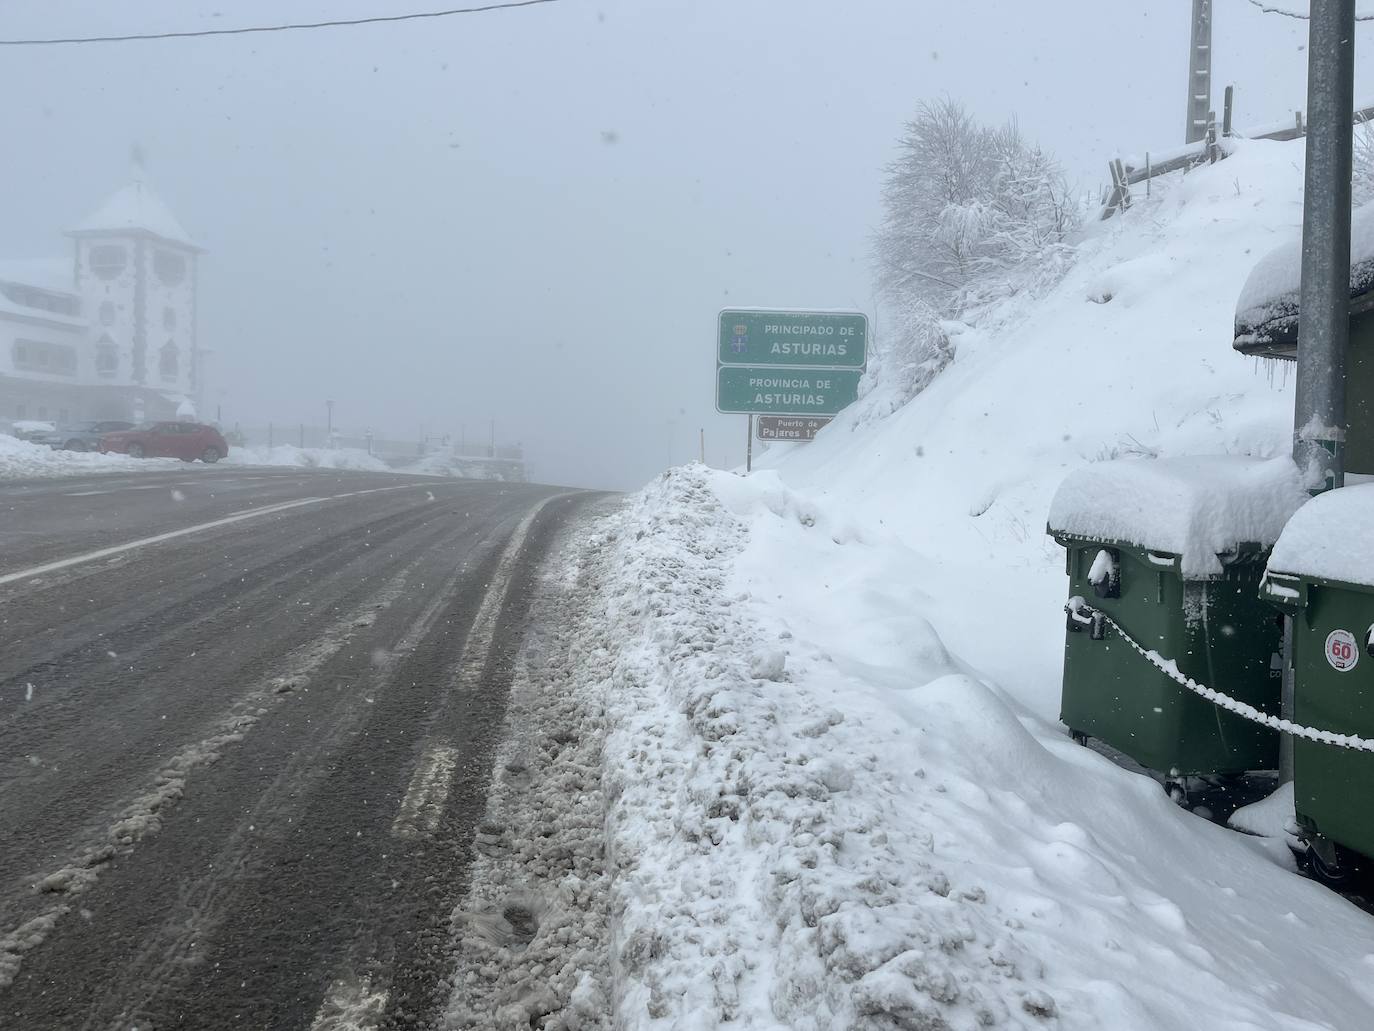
column 533, row 216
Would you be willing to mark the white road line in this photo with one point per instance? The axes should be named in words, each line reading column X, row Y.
column 236, row 517
column 92, row 556
column 424, row 800
column 351, row 1004
column 115, row 490
column 429, row 788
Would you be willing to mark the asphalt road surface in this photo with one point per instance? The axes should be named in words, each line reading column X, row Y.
column 246, row 727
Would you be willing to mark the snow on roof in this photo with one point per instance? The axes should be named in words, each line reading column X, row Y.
column 55, row 274
column 1326, row 539
column 135, row 207
column 1267, row 311
column 1197, row 508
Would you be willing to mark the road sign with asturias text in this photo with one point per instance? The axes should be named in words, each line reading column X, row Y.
column 801, row 339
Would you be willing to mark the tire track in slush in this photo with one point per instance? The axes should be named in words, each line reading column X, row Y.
column 203, row 905
column 141, row 816
column 356, row 1002
column 166, row 955
column 429, row 787
column 45, row 803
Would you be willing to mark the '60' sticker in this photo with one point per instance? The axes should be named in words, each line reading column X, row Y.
column 1341, row 651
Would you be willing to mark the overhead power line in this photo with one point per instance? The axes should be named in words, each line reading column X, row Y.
column 1270, row 9
column 291, row 27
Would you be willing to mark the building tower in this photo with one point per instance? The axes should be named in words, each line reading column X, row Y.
column 136, row 275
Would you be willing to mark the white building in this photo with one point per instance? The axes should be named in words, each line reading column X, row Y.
column 111, row 333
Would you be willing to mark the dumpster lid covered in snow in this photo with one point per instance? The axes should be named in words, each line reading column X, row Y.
column 1197, row 507
column 1327, row 539
column 1267, row 312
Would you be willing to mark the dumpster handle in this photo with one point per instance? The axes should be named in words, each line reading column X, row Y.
column 1082, row 612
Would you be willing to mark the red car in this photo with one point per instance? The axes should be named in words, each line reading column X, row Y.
column 185, row 440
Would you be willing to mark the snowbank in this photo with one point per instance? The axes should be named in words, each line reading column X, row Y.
column 307, row 457
column 821, row 817
column 1129, row 355
column 21, row 460
column 445, row 463
column 1196, row 508
column 1331, row 537
column 839, row 792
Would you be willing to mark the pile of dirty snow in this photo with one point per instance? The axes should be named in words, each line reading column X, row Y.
column 821, row 816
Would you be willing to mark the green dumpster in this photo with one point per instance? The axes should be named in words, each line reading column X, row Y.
column 1322, row 574
column 1169, row 553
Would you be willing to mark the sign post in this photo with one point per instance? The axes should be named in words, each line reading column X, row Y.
column 794, row 369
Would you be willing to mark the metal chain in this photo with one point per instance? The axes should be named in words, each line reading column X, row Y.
column 1170, row 669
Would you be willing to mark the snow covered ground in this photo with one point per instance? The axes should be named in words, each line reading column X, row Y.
column 307, row 458
column 21, row 460
column 838, row 792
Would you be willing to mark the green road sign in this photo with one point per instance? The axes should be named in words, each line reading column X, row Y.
column 819, row 339
column 761, row 390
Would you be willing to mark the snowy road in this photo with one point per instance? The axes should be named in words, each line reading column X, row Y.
column 247, row 722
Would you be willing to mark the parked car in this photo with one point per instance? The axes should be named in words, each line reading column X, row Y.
column 28, row 429
column 81, row 436
column 185, row 440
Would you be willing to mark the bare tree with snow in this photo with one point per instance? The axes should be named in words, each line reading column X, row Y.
column 972, row 213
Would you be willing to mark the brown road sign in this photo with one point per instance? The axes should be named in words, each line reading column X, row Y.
column 782, row 427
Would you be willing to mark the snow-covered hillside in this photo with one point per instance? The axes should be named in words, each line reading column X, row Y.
column 840, row 793
column 1129, row 355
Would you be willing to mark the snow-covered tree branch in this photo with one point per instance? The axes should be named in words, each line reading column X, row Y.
column 971, row 213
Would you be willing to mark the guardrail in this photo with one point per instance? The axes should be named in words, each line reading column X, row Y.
column 1208, row 150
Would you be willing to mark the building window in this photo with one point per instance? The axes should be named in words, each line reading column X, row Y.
column 168, row 361
column 108, row 260
column 169, row 319
column 170, row 268
column 40, row 299
column 106, row 356
column 107, row 313
column 40, row 356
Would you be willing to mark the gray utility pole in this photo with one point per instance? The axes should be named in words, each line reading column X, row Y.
column 1324, row 301
column 1199, row 72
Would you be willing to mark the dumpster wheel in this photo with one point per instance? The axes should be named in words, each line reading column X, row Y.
column 1338, row 876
